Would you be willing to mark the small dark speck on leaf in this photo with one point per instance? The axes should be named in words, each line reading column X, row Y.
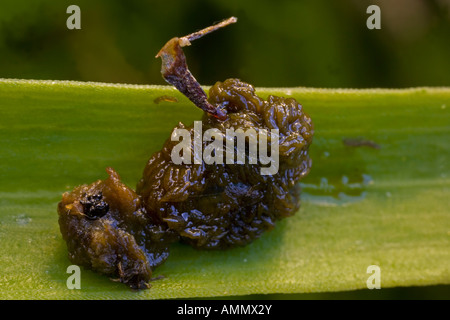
column 160, row 277
column 360, row 142
column 165, row 99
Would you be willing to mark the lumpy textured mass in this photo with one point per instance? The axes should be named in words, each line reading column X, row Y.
column 225, row 205
column 125, row 234
column 108, row 230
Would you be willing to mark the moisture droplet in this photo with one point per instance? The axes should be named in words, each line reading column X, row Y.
column 23, row 219
column 324, row 185
column 367, row 180
column 344, row 180
column 341, row 191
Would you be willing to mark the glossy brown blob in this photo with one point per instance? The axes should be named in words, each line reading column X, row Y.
column 107, row 230
column 220, row 206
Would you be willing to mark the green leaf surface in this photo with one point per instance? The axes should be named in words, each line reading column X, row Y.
column 361, row 205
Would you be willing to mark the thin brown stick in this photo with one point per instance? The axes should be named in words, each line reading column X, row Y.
column 205, row 31
column 175, row 71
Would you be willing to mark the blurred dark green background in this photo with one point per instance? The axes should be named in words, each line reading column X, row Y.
column 318, row 43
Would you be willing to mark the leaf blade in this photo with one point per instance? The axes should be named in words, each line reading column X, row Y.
column 361, row 206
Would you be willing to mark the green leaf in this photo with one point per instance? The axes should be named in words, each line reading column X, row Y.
column 361, row 206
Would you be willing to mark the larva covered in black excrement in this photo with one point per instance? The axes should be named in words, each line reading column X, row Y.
column 125, row 234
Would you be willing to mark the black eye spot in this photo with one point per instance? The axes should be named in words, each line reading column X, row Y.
column 94, row 206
